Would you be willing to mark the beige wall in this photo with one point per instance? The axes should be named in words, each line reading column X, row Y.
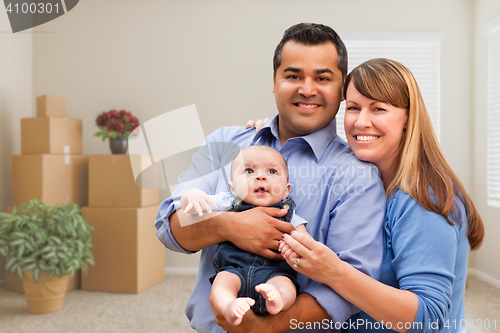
column 154, row 56
column 486, row 260
column 16, row 54
column 151, row 57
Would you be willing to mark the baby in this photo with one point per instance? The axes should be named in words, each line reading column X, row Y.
column 244, row 280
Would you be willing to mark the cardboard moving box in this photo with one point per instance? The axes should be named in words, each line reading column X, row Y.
column 51, row 135
column 50, row 106
column 112, row 182
column 128, row 257
column 59, row 179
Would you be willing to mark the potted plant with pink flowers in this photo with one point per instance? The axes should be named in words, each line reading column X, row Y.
column 117, row 126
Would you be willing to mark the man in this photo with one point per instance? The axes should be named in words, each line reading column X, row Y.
column 341, row 197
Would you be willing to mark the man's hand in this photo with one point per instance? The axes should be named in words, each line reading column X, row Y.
column 257, row 231
column 254, row 230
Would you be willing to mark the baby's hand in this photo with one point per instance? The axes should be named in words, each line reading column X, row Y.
column 195, row 201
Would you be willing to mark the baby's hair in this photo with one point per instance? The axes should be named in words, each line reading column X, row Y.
column 285, row 169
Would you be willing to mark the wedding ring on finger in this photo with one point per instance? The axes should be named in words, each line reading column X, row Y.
column 297, row 262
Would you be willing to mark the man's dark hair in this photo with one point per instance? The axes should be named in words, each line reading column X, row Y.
column 312, row 34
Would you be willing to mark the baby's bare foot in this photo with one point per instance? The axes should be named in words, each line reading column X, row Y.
column 274, row 300
column 236, row 310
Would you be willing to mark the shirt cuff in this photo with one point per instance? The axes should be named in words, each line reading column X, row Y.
column 419, row 318
column 337, row 307
column 297, row 220
column 177, row 205
column 164, row 232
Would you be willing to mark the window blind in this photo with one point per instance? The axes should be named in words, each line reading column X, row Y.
column 418, row 52
column 494, row 116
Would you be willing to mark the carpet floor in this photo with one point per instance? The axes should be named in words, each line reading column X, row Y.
column 161, row 309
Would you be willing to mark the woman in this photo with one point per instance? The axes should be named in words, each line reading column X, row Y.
column 431, row 222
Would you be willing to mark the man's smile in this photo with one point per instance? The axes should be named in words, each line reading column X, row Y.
column 306, row 105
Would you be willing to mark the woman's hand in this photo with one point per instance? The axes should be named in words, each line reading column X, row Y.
column 258, row 124
column 317, row 261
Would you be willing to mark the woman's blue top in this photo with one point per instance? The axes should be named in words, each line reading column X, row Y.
column 427, row 256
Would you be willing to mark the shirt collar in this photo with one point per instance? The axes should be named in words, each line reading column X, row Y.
column 318, row 141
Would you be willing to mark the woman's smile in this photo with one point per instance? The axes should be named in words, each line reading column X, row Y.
column 374, row 130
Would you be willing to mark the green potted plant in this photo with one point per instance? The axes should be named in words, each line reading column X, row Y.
column 117, row 126
column 43, row 245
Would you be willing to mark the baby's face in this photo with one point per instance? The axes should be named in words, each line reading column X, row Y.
column 259, row 177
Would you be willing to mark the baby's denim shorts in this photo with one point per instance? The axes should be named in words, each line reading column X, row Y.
column 230, row 258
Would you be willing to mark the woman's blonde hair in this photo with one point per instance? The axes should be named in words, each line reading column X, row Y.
column 422, row 164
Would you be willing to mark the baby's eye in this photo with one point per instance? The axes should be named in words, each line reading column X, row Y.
column 272, row 172
column 248, row 170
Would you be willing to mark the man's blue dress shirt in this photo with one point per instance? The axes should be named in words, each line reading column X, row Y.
column 341, row 197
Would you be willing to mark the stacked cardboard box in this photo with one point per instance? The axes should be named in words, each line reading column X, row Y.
column 50, row 166
column 128, row 257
